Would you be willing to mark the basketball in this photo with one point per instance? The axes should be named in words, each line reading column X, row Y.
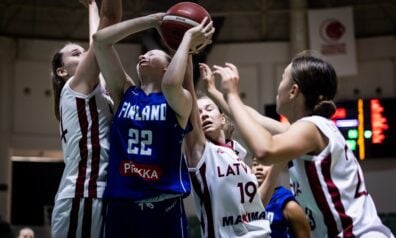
column 178, row 19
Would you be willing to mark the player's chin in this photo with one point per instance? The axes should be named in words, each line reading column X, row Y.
column 259, row 179
column 209, row 133
column 207, row 128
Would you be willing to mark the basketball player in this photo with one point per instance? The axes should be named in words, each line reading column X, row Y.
column 326, row 178
column 286, row 217
column 82, row 107
column 225, row 189
column 148, row 176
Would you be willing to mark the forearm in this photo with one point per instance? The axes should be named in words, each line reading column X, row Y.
column 273, row 126
column 188, row 82
column 271, row 181
column 219, row 100
column 110, row 12
column 93, row 19
column 256, row 137
column 297, row 219
column 177, row 68
column 193, row 141
column 112, row 34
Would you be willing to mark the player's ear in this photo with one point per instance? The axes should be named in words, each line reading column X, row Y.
column 294, row 91
column 223, row 119
column 61, row 72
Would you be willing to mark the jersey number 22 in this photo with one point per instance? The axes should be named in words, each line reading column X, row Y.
column 139, row 142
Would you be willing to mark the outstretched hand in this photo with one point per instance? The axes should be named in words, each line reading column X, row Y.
column 207, row 77
column 201, row 35
column 229, row 76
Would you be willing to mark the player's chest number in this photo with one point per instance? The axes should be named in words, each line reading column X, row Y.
column 248, row 189
column 139, row 142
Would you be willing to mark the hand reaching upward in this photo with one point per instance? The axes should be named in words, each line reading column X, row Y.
column 201, row 35
column 229, row 76
column 207, row 77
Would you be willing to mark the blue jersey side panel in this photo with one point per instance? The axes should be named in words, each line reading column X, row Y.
column 279, row 225
column 145, row 149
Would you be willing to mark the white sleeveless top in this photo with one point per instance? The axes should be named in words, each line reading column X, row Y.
column 84, row 128
column 331, row 189
column 225, row 195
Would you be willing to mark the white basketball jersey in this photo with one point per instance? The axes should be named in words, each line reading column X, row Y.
column 240, row 151
column 331, row 189
column 84, row 128
column 225, row 195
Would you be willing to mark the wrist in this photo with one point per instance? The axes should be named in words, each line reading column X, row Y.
column 212, row 90
column 232, row 96
column 155, row 20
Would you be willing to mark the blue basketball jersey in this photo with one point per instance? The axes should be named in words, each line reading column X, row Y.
column 146, row 161
column 280, row 227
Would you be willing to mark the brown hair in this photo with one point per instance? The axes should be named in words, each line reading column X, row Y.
column 57, row 81
column 317, row 80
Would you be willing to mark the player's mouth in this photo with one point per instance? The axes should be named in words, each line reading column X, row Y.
column 143, row 62
column 206, row 124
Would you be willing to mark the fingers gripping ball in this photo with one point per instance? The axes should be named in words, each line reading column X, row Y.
column 178, row 19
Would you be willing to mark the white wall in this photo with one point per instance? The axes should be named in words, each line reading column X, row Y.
column 33, row 122
column 376, row 69
column 266, row 60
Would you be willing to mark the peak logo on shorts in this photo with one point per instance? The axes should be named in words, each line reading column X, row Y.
column 147, row 172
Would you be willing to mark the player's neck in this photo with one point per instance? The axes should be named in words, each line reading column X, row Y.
column 150, row 87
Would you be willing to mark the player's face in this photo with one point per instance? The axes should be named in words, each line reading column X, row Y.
column 282, row 97
column 26, row 233
column 72, row 56
column 259, row 170
column 153, row 61
column 212, row 119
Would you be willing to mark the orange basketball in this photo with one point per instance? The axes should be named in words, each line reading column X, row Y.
column 178, row 19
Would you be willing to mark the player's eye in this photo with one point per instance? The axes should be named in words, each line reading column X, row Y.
column 76, row 53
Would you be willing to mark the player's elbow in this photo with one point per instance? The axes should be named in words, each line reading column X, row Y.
column 283, row 127
column 263, row 155
column 169, row 83
column 99, row 41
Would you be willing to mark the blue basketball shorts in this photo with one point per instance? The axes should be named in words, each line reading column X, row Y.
column 124, row 218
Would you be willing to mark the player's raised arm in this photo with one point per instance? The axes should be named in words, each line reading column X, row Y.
column 179, row 98
column 111, row 66
column 87, row 73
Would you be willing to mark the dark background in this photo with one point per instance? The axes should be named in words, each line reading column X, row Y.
column 34, row 185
